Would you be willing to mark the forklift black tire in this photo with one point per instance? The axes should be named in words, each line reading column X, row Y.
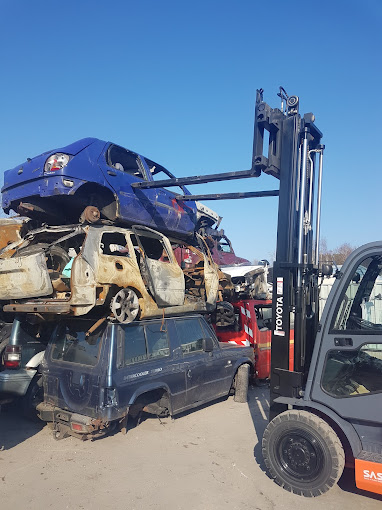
column 32, row 397
column 302, row 453
column 241, row 384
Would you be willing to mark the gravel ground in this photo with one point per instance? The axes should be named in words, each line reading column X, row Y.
column 206, row 459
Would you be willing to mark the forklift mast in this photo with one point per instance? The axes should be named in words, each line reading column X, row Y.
column 293, row 143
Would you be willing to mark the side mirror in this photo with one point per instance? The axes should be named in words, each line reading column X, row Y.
column 208, row 344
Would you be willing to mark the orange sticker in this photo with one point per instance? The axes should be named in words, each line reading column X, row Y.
column 368, row 476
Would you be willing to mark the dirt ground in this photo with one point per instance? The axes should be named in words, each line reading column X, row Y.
column 207, row 459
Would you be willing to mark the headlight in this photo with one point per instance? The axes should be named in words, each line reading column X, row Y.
column 56, row 162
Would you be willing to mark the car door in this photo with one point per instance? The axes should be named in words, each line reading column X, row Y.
column 148, row 359
column 211, row 275
column 178, row 215
column 165, row 278
column 206, row 372
column 121, row 168
column 348, row 376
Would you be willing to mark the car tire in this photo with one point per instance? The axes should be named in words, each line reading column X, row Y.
column 33, row 396
column 241, row 384
column 302, row 453
column 224, row 314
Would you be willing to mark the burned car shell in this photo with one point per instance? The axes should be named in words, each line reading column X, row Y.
column 97, row 381
column 99, row 173
column 97, row 274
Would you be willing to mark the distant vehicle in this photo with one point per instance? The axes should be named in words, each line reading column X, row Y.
column 94, row 379
column 92, row 178
column 128, row 273
column 221, row 250
column 252, row 326
column 250, row 281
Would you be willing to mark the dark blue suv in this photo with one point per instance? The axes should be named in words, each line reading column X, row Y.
column 95, row 376
column 57, row 187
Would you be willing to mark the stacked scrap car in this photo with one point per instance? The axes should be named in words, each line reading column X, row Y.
column 132, row 273
column 93, row 179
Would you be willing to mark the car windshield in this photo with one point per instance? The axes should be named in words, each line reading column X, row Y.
column 74, row 342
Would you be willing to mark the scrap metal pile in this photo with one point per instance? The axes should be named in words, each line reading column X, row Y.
column 111, row 262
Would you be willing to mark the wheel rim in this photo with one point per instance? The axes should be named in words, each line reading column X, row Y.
column 125, row 306
column 301, row 455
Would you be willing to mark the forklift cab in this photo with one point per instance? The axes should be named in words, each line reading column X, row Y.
column 340, row 408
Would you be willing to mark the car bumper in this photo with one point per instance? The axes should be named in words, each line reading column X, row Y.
column 15, row 383
column 46, row 186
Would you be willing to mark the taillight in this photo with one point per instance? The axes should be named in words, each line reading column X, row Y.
column 78, row 427
column 12, row 356
column 56, row 162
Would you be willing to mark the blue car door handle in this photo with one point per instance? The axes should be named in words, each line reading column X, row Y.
column 110, row 172
column 188, row 373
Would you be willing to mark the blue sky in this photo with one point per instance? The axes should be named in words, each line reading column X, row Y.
column 176, row 81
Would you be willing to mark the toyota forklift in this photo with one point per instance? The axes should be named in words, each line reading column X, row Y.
column 326, row 409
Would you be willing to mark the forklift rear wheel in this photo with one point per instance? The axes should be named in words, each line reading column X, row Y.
column 302, row 453
column 241, row 384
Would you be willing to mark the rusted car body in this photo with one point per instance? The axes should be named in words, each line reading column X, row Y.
column 129, row 273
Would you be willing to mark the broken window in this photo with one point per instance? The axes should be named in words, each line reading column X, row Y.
column 125, row 161
column 225, row 246
column 72, row 344
column 114, row 243
column 154, row 248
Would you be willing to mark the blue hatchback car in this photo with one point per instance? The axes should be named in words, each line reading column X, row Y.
column 57, row 186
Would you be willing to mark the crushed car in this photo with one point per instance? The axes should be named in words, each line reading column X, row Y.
column 95, row 379
column 104, row 270
column 220, row 247
column 92, row 179
column 250, row 281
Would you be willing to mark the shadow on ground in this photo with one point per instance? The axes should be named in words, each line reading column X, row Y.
column 258, row 404
column 15, row 428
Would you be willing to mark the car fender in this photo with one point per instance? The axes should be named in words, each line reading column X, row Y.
column 36, row 360
column 242, row 361
column 151, row 387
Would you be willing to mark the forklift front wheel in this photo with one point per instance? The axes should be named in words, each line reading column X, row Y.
column 302, row 453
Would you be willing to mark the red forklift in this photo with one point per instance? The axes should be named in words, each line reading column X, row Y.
column 326, row 410
column 252, row 326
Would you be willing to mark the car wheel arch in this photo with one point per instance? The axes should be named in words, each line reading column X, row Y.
column 151, row 390
column 109, row 202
